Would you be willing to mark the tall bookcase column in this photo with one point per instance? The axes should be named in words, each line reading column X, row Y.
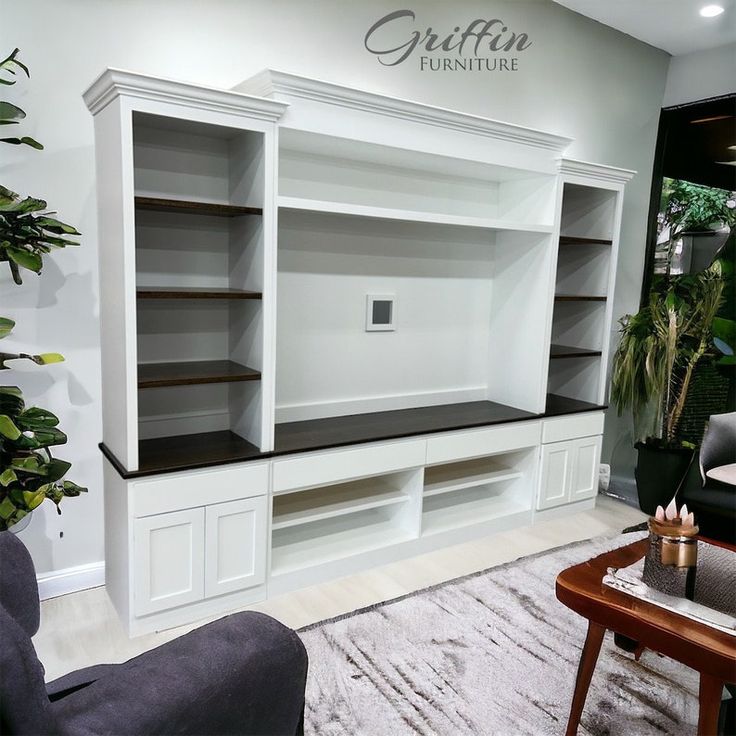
column 590, row 201
column 187, row 222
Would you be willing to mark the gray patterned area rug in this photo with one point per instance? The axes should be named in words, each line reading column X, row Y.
column 491, row 653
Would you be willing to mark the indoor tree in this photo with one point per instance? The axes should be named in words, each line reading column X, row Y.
column 29, row 472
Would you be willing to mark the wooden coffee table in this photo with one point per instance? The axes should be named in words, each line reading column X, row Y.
column 707, row 650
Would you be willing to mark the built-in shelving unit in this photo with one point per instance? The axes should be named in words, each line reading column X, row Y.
column 248, row 455
column 199, row 196
column 581, row 317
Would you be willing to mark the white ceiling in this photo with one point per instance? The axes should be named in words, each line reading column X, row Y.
column 673, row 25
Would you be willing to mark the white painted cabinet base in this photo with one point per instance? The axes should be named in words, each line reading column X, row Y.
column 269, row 527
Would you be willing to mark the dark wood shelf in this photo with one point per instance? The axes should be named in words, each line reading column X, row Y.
column 156, row 375
column 578, row 298
column 194, row 208
column 560, row 405
column 175, row 292
column 187, row 452
column 319, row 434
column 564, row 351
column 574, row 240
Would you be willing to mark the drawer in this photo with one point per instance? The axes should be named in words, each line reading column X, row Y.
column 198, row 488
column 478, row 442
column 319, row 469
column 570, row 427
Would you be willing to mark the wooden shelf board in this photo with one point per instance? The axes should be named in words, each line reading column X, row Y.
column 388, row 213
column 575, row 240
column 578, row 298
column 189, row 373
column 304, row 507
column 318, row 434
column 289, row 555
column 197, row 292
column 190, row 451
column 449, row 482
column 217, row 448
column 564, row 351
column 560, row 405
column 191, row 207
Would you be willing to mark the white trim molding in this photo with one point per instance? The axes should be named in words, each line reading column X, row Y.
column 611, row 174
column 70, row 580
column 114, row 82
column 270, row 83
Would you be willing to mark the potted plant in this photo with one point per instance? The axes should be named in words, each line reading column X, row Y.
column 29, row 472
column 653, row 367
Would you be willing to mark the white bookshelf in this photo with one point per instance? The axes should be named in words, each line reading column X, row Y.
column 245, row 403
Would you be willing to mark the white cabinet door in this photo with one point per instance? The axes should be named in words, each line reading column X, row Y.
column 584, row 476
column 235, row 546
column 168, row 560
column 555, row 473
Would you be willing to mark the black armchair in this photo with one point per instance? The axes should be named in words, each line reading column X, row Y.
column 242, row 674
column 713, row 500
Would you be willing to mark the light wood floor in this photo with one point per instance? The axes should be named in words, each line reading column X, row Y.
column 82, row 629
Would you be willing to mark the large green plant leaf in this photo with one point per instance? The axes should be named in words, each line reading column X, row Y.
column 9, row 111
column 6, row 326
column 8, row 428
column 26, row 140
column 26, row 259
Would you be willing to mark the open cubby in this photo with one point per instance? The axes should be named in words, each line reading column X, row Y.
column 580, row 317
column 199, row 278
column 324, row 524
column 455, row 300
column 323, row 172
column 474, row 491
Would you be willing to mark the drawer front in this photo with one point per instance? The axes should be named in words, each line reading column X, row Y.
column 318, row 469
column 199, row 488
column 569, row 428
column 479, row 442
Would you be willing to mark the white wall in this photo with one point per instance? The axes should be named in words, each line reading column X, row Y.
column 701, row 75
column 578, row 78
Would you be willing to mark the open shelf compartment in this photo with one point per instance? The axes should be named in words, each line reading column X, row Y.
column 327, row 523
column 329, row 173
column 480, row 490
column 199, row 235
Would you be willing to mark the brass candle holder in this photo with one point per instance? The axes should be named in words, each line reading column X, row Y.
column 672, row 557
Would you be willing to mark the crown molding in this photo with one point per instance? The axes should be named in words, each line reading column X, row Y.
column 595, row 171
column 113, row 83
column 270, row 82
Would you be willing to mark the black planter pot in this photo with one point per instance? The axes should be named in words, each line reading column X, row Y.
column 659, row 473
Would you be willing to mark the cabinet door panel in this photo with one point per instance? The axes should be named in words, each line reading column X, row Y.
column 585, row 464
column 235, row 555
column 555, row 474
column 168, row 561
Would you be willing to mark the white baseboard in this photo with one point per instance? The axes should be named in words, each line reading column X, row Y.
column 70, row 580
column 343, row 407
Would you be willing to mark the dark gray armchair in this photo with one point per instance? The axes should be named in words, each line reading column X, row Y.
column 713, row 501
column 243, row 674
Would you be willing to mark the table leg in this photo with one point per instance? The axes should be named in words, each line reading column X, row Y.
column 588, row 658
column 711, row 691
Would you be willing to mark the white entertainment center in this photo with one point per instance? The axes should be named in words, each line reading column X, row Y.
column 259, row 434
